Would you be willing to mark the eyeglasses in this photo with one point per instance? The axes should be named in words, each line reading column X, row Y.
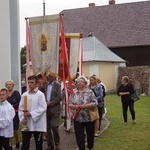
column 81, row 82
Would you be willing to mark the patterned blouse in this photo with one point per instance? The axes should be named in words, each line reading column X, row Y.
column 83, row 98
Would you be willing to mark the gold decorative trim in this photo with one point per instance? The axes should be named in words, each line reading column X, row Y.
column 43, row 21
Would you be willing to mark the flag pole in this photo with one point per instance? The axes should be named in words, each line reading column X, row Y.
column 43, row 7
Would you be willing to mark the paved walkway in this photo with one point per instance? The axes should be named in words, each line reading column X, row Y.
column 67, row 140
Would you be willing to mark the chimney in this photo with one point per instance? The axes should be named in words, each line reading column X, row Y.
column 91, row 4
column 111, row 2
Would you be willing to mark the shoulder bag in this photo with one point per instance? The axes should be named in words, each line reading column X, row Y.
column 134, row 97
column 93, row 112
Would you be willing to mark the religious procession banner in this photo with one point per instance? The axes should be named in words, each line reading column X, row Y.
column 44, row 35
column 73, row 48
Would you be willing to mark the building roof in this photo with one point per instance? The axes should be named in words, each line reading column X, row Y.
column 94, row 50
column 115, row 25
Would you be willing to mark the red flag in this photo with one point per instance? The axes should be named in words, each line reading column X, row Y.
column 65, row 66
column 64, row 54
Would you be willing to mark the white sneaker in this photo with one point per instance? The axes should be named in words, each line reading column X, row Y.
column 134, row 121
column 96, row 135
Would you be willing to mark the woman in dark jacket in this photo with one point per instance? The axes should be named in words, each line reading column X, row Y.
column 125, row 90
column 14, row 99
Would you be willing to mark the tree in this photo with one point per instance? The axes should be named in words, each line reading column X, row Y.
column 23, row 59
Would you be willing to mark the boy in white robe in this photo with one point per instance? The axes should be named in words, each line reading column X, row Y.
column 35, row 116
column 7, row 114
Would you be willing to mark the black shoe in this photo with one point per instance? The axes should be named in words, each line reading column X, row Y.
column 17, row 145
column 68, row 130
column 57, row 148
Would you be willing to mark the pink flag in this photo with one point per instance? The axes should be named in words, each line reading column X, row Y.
column 27, row 51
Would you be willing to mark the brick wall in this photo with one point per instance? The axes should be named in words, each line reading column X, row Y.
column 138, row 76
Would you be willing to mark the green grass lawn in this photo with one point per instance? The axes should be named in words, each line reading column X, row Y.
column 119, row 136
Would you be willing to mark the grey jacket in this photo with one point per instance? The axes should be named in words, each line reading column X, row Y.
column 56, row 97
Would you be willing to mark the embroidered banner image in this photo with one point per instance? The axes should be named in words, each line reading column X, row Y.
column 44, row 33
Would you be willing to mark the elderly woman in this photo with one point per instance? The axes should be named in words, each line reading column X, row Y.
column 125, row 90
column 82, row 100
column 14, row 100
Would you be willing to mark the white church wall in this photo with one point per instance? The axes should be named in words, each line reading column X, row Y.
column 15, row 43
column 5, row 58
column 9, row 43
column 94, row 69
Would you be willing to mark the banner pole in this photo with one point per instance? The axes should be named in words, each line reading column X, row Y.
column 43, row 7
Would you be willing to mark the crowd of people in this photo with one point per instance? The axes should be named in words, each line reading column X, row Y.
column 38, row 109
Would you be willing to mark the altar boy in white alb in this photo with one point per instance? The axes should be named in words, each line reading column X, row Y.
column 35, row 116
column 7, row 114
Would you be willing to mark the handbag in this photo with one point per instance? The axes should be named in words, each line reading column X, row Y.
column 93, row 112
column 134, row 97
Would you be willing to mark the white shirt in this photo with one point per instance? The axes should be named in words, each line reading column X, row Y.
column 104, row 86
column 49, row 91
column 36, row 105
column 7, row 114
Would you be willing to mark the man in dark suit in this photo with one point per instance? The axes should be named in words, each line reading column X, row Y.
column 53, row 98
